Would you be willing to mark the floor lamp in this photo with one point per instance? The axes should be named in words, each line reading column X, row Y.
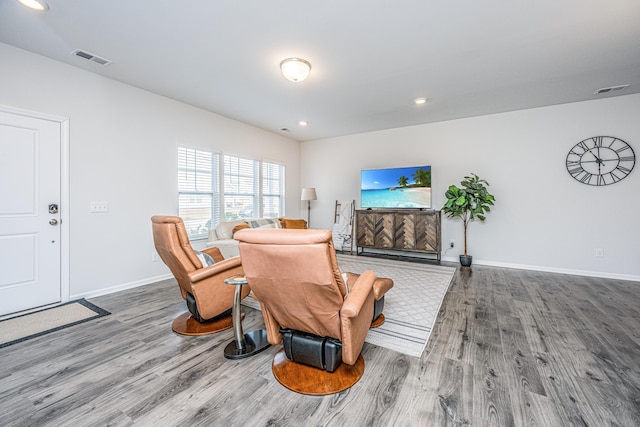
column 309, row 194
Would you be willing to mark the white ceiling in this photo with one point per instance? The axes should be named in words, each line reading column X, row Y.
column 370, row 58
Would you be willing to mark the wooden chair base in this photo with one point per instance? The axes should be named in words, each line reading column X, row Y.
column 378, row 322
column 313, row 381
column 185, row 324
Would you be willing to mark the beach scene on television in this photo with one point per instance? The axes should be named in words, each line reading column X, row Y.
column 408, row 187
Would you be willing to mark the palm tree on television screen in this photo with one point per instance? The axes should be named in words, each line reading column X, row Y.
column 422, row 177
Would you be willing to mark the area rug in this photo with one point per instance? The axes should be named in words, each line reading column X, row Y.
column 410, row 307
column 31, row 325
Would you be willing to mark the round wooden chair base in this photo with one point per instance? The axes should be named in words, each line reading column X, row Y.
column 378, row 322
column 308, row 380
column 185, row 324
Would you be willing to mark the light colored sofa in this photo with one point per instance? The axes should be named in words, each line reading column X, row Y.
column 222, row 235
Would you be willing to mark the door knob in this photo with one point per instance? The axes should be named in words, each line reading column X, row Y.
column 53, row 221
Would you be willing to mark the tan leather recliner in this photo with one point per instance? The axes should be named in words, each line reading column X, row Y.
column 209, row 299
column 295, row 276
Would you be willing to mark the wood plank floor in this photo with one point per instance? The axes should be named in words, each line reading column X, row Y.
column 510, row 348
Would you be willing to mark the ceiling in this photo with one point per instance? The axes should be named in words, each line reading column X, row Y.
column 370, row 58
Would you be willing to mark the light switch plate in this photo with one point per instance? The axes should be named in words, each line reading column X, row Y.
column 99, row 207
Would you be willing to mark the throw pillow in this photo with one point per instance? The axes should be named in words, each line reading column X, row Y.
column 293, row 223
column 205, row 259
column 240, row 227
column 346, row 283
column 265, row 223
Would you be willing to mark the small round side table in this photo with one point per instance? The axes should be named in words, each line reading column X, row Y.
column 243, row 345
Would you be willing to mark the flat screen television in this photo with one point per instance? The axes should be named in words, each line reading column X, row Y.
column 394, row 188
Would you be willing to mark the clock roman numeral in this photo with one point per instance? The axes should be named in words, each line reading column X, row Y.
column 621, row 149
column 597, row 141
column 623, row 169
column 627, row 159
column 601, row 180
column 583, row 146
column 586, row 178
column 576, row 171
column 614, row 177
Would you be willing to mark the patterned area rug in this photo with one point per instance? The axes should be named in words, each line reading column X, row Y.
column 410, row 307
column 27, row 326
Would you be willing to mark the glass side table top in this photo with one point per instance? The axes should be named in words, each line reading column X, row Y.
column 236, row 280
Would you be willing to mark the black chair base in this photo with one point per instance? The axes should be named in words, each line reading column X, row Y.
column 313, row 381
column 312, row 350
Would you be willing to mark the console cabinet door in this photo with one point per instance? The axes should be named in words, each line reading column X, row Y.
column 428, row 231
column 384, row 230
column 406, row 231
column 364, row 229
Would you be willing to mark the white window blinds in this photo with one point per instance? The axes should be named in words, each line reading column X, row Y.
column 198, row 190
column 272, row 190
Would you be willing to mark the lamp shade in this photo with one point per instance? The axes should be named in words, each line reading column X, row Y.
column 308, row 194
column 295, row 69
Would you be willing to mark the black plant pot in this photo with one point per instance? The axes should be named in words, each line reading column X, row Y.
column 465, row 260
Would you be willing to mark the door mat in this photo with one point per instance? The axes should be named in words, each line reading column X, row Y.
column 31, row 325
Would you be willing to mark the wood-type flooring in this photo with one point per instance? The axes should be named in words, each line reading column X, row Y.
column 510, row 348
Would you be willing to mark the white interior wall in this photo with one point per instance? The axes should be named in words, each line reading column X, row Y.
column 543, row 219
column 123, row 150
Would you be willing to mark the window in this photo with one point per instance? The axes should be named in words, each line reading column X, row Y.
column 198, row 190
column 272, row 190
column 250, row 189
column 240, row 188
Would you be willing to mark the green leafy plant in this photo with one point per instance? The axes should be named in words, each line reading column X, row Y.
column 469, row 202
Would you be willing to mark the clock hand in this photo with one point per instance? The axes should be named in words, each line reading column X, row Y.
column 598, row 160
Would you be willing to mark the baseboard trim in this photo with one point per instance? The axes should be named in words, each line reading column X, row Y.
column 122, row 287
column 601, row 274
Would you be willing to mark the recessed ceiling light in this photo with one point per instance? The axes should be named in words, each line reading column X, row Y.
column 420, row 101
column 39, row 5
column 303, row 123
column 295, row 69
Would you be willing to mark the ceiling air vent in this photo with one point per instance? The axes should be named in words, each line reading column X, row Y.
column 611, row 89
column 91, row 57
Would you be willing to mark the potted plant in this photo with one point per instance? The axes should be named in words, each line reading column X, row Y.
column 469, row 202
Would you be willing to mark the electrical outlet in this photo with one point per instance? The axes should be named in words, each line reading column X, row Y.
column 452, row 243
column 99, row 207
column 155, row 257
column 599, row 253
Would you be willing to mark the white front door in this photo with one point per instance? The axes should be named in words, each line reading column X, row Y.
column 30, row 190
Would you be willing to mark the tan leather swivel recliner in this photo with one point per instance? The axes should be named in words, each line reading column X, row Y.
column 307, row 305
column 209, row 299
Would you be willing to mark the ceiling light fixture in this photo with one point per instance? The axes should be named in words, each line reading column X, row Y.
column 295, row 69
column 303, row 123
column 39, row 5
column 420, row 101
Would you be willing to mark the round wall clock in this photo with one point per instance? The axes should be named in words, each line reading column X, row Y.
column 600, row 160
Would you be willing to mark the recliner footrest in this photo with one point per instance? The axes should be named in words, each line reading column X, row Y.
column 308, row 349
